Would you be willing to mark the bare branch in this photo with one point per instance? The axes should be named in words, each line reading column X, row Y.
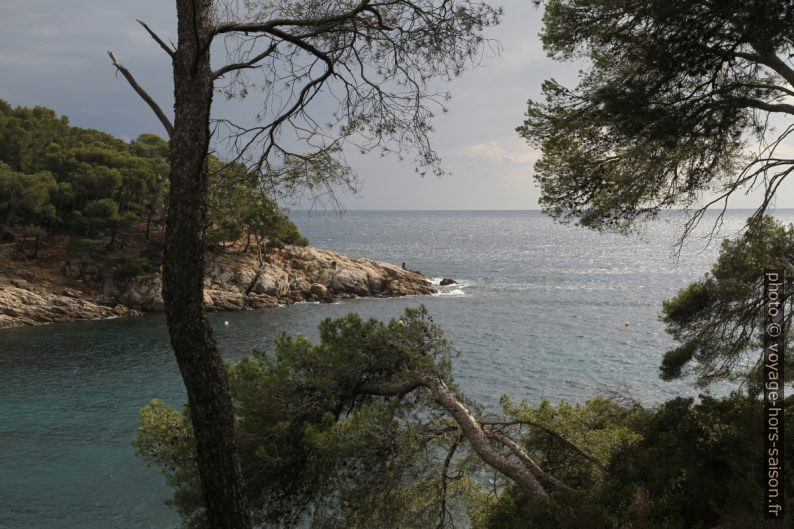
column 762, row 105
column 471, row 428
column 169, row 128
column 251, row 63
column 768, row 58
column 582, row 452
column 242, row 27
column 445, row 477
column 528, row 461
column 157, row 39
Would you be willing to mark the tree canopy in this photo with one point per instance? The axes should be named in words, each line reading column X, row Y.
column 343, row 433
column 79, row 181
column 331, row 74
column 677, row 104
column 56, row 179
column 718, row 320
column 367, row 428
column 680, row 103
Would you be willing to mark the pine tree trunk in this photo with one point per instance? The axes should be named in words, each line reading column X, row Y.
column 183, row 273
column 149, row 221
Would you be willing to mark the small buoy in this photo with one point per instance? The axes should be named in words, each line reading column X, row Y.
column 626, row 323
column 226, row 324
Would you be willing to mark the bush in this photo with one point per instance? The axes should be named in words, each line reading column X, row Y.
column 137, row 268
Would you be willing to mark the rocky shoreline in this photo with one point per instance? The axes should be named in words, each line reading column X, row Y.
column 234, row 281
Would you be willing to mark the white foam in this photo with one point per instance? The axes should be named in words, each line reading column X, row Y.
column 456, row 292
column 459, row 283
column 455, row 289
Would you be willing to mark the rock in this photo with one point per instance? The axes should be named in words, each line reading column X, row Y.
column 265, row 285
column 447, row 281
column 260, row 301
column 143, row 295
column 26, row 274
column 19, row 283
column 326, row 277
column 351, row 281
column 219, row 275
column 375, row 284
column 23, row 307
column 224, row 300
column 243, row 279
column 392, row 272
column 208, row 302
column 234, row 281
column 72, row 270
column 319, row 290
column 300, row 286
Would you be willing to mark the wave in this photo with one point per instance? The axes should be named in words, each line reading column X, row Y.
column 455, row 289
column 456, row 292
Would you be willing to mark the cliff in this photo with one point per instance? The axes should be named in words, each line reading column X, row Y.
column 43, row 292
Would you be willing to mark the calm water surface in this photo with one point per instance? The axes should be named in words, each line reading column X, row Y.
column 539, row 310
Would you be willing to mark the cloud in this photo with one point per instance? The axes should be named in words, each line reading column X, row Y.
column 501, row 151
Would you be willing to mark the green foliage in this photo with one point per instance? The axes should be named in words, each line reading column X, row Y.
column 671, row 92
column 228, row 230
column 239, row 208
column 564, row 510
column 600, row 426
column 167, row 440
column 684, row 465
column 315, row 450
column 134, row 268
column 96, row 260
column 698, row 465
column 101, row 216
column 24, row 198
column 310, row 444
column 84, row 183
column 718, row 320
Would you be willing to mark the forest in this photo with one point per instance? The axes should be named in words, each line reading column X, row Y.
column 103, row 198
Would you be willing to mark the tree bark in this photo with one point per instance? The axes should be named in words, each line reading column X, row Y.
column 471, row 428
column 183, row 273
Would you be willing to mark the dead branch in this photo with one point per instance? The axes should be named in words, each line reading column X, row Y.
column 444, row 478
column 582, row 452
column 526, row 459
column 476, row 435
column 169, row 128
column 157, row 39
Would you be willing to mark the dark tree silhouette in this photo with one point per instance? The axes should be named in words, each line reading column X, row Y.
column 683, row 103
column 331, row 74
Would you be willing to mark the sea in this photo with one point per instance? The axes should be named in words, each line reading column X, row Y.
column 539, row 310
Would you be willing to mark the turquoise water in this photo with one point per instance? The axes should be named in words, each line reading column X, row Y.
column 540, row 310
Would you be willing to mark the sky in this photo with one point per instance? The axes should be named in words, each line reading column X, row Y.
column 54, row 53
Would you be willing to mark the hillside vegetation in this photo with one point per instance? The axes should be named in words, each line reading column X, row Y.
column 102, row 200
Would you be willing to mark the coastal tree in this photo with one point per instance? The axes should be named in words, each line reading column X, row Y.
column 24, row 199
column 367, row 428
column 235, row 210
column 718, row 320
column 101, row 192
column 331, row 74
column 682, row 103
